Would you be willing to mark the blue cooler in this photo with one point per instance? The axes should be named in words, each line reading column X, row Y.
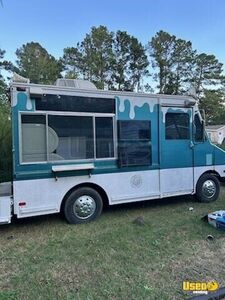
column 217, row 219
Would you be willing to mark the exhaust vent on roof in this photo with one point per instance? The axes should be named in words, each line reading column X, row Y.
column 20, row 79
column 76, row 84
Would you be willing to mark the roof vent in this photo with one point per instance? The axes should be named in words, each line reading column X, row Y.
column 76, row 84
column 18, row 78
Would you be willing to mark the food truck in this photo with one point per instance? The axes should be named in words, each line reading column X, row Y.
column 76, row 148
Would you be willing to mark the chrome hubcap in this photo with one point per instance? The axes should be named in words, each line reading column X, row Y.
column 84, row 207
column 209, row 188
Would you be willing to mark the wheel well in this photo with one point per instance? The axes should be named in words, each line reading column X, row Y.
column 213, row 173
column 94, row 186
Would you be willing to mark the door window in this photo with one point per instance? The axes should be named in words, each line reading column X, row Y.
column 177, row 126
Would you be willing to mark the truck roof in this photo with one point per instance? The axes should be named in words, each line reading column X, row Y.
column 40, row 89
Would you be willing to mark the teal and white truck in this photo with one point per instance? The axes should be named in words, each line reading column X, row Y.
column 76, row 147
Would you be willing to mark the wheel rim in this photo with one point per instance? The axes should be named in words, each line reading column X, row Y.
column 84, row 207
column 209, row 188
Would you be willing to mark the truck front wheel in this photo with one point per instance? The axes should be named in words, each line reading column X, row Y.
column 208, row 188
column 83, row 205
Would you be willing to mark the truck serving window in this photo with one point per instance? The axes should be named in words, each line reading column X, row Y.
column 134, row 143
column 53, row 137
column 73, row 137
column 177, row 126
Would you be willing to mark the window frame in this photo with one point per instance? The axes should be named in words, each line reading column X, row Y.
column 62, row 113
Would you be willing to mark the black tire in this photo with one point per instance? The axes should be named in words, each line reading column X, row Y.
column 207, row 188
column 92, row 203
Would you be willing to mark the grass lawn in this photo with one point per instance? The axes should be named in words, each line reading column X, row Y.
column 113, row 258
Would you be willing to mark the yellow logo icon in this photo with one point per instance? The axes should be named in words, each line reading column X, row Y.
column 200, row 286
column 212, row 286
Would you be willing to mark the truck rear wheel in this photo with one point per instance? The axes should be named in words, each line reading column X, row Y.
column 208, row 188
column 83, row 205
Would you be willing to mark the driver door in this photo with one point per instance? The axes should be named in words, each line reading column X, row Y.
column 176, row 155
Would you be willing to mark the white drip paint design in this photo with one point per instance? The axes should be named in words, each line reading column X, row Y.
column 135, row 102
column 14, row 101
column 29, row 104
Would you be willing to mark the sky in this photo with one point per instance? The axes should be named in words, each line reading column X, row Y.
column 57, row 24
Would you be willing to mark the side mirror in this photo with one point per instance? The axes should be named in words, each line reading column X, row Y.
column 194, row 130
column 199, row 129
column 203, row 131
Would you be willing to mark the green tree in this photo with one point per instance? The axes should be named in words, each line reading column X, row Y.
column 182, row 63
column 212, row 101
column 92, row 58
column 5, row 142
column 172, row 58
column 116, row 60
column 138, row 63
column 4, row 65
column 35, row 63
column 207, row 71
column 130, row 62
column 3, row 92
column 120, row 73
column 5, row 125
column 72, row 62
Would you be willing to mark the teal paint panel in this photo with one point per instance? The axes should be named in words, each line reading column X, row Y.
column 35, row 172
column 219, row 155
column 143, row 112
column 176, row 154
column 204, row 154
column 46, row 168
